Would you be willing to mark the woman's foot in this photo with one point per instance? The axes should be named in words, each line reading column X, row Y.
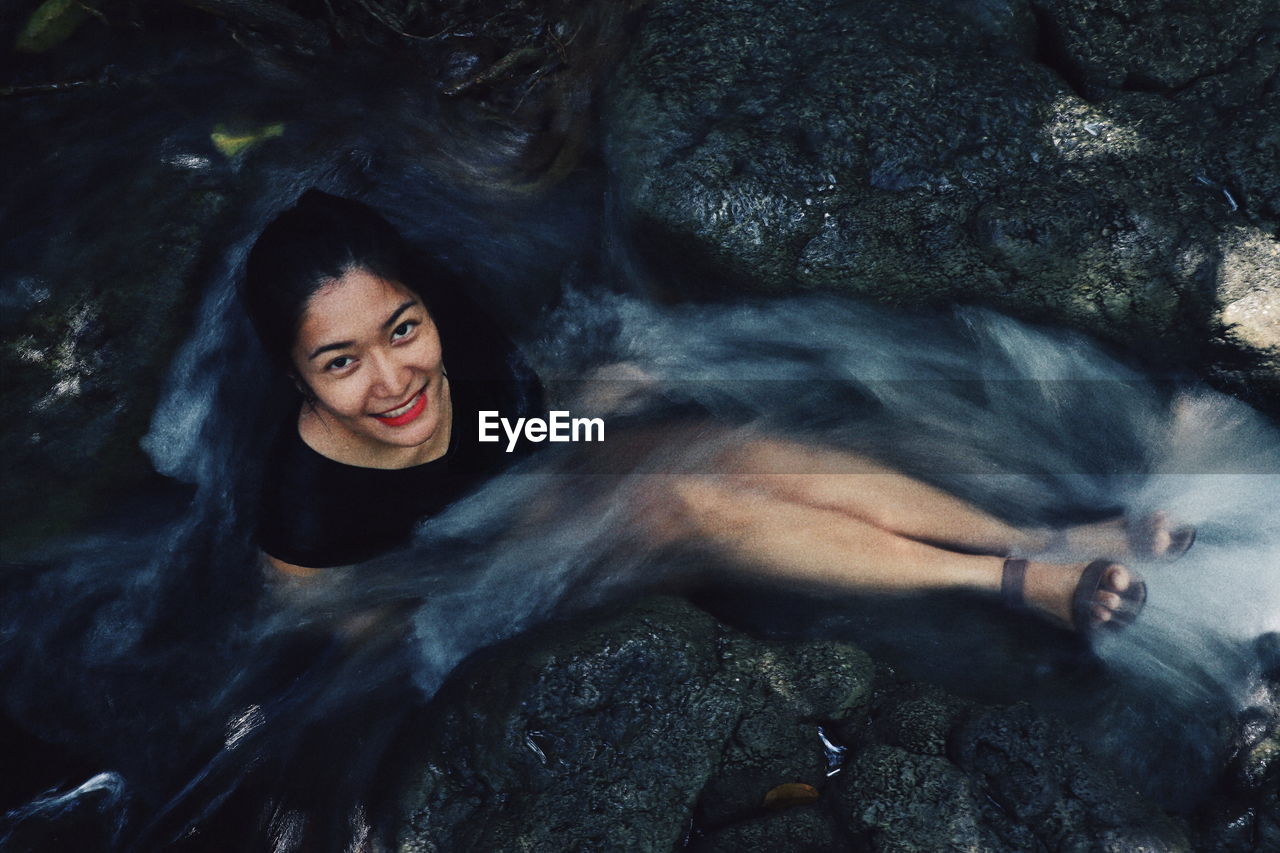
column 1152, row 538
column 1147, row 538
column 1082, row 597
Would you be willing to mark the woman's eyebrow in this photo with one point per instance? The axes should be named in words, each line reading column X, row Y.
column 327, row 347
column 395, row 315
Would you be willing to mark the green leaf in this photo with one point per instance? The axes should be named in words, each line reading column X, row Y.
column 50, row 25
column 231, row 143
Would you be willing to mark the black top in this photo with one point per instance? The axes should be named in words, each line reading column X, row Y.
column 320, row 513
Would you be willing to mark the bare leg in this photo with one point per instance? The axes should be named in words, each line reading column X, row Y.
column 770, row 535
column 860, row 487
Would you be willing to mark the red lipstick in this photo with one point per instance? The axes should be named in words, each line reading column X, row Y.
column 418, row 407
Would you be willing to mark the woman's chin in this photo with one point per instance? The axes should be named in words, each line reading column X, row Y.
column 420, row 432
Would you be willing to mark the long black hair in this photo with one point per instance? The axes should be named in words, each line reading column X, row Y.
column 322, row 237
column 314, row 242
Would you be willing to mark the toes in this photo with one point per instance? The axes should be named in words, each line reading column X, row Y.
column 1156, row 539
column 1109, row 600
column 1117, row 578
column 1101, row 614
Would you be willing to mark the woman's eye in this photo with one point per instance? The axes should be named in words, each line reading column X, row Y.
column 403, row 329
column 339, row 363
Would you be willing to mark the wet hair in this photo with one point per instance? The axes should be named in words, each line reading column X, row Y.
column 312, row 243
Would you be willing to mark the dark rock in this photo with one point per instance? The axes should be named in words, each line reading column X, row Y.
column 1042, row 781
column 86, row 356
column 1267, row 647
column 1242, row 811
column 659, row 727
column 1148, row 46
column 916, row 717
column 803, row 829
column 919, row 153
column 936, row 772
column 895, row 800
column 1268, row 820
column 108, row 227
column 604, row 736
column 764, row 750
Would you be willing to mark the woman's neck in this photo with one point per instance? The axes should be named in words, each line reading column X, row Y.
column 332, row 440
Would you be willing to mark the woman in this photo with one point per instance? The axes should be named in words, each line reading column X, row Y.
column 385, row 436
column 392, row 378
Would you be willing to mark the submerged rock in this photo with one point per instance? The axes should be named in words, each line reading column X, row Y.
column 1109, row 165
column 1243, row 815
column 110, row 225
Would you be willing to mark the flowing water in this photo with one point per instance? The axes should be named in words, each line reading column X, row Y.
column 1030, row 423
column 157, row 652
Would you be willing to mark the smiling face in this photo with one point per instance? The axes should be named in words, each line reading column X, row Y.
column 370, row 354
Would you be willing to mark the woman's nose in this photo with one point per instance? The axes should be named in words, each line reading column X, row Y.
column 392, row 378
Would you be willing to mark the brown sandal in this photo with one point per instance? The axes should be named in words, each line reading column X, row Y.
column 1132, row 600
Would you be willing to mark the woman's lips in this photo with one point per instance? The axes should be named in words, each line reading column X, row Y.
column 406, row 413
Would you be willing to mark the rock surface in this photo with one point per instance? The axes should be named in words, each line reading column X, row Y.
column 1243, row 816
column 1110, row 164
column 110, row 224
column 605, row 737
column 659, row 727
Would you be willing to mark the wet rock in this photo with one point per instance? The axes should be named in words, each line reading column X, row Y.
column 658, row 727
column 1147, row 46
column 108, row 223
column 1267, row 647
column 1242, row 811
column 916, row 717
column 1268, row 820
column 797, row 830
column 1064, row 162
column 764, row 750
column 895, row 800
column 86, row 358
column 768, row 748
column 605, row 735
column 933, row 771
column 1039, row 777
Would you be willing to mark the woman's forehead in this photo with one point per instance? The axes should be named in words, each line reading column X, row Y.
column 350, row 307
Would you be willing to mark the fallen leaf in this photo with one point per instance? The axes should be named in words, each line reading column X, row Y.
column 50, row 24
column 790, row 794
column 231, row 143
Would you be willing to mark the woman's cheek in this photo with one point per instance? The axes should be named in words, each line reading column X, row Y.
column 342, row 396
column 428, row 354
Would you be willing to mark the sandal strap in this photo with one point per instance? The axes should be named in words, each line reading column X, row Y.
column 1012, row 580
column 1083, row 598
column 1132, row 600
